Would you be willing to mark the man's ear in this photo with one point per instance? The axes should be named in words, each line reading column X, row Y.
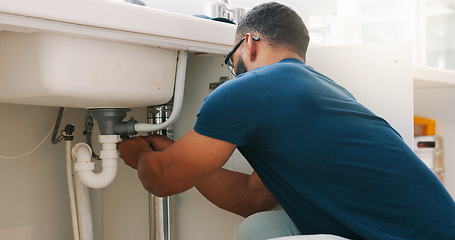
column 251, row 47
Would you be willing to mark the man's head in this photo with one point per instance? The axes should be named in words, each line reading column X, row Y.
column 277, row 25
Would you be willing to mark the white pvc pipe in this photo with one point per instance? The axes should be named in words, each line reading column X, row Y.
column 84, row 166
column 69, row 175
column 178, row 98
column 84, row 210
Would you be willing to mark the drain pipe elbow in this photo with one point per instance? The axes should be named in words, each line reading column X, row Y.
column 84, row 166
column 178, row 98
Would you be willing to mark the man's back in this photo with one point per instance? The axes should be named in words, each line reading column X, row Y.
column 334, row 166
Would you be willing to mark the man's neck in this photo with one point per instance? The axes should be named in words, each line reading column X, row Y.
column 273, row 55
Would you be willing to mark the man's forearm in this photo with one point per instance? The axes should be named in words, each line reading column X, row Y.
column 236, row 192
column 180, row 165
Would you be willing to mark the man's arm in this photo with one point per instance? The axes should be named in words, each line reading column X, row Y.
column 236, row 192
column 196, row 160
column 180, row 166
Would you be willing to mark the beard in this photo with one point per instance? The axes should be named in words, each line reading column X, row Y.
column 241, row 68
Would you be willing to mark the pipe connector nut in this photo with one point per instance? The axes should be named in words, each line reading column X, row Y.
column 109, row 138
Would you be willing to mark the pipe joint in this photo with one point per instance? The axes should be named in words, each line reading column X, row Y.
column 107, row 155
column 126, row 128
column 109, row 139
column 110, row 121
column 84, row 166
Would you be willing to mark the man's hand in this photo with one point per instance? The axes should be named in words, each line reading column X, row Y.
column 159, row 142
column 174, row 167
column 132, row 149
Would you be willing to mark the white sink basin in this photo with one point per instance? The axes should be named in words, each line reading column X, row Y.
column 66, row 53
column 56, row 70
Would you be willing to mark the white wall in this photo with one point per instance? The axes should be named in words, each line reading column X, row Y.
column 34, row 202
column 378, row 75
column 33, row 192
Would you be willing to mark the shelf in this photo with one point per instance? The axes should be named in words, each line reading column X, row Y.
column 430, row 77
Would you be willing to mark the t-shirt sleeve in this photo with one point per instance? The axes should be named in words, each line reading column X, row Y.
column 235, row 112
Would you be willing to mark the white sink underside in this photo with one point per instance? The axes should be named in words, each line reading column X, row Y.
column 56, row 70
column 97, row 53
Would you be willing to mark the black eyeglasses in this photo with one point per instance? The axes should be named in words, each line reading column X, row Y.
column 228, row 60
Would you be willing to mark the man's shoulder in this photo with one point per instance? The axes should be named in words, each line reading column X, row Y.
column 242, row 82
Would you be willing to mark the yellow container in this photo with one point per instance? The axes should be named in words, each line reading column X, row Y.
column 429, row 125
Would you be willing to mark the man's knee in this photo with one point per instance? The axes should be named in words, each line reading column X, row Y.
column 249, row 227
column 266, row 225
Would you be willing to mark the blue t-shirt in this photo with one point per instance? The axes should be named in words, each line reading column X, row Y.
column 334, row 166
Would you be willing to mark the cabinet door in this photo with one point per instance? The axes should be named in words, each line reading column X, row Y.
column 378, row 75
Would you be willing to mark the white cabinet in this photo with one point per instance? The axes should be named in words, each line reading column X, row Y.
column 378, row 75
column 426, row 77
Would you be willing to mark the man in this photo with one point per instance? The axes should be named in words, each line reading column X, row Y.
column 336, row 168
